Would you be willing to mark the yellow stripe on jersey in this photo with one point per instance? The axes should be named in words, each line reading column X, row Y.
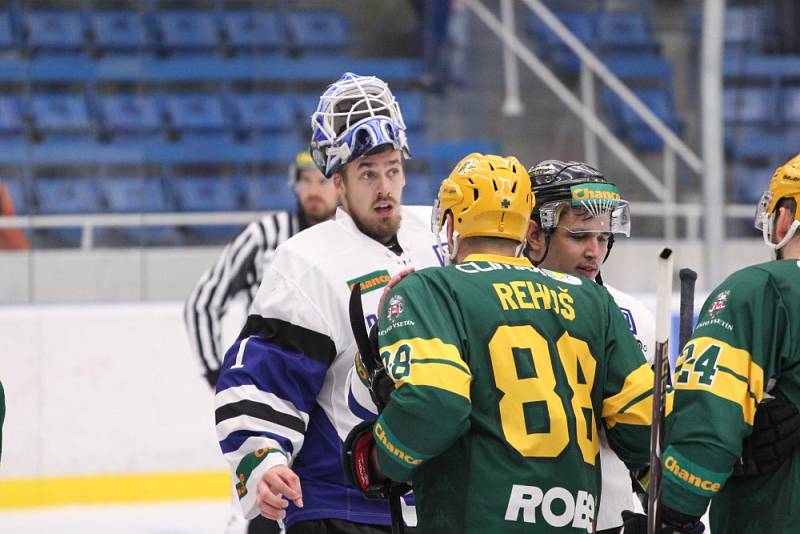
column 632, row 399
column 711, row 365
column 633, row 405
column 433, row 363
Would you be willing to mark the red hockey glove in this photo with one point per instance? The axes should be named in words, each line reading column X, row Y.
column 357, row 465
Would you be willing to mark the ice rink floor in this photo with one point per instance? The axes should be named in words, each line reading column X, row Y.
column 196, row 517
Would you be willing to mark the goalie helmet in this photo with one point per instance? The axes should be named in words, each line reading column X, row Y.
column 785, row 183
column 355, row 115
column 489, row 196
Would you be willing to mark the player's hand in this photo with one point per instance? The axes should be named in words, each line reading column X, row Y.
column 776, row 434
column 277, row 487
column 393, row 282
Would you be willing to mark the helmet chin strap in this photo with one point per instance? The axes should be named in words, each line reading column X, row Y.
column 767, row 232
column 456, row 240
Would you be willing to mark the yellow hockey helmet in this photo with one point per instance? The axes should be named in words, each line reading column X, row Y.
column 784, row 183
column 489, row 196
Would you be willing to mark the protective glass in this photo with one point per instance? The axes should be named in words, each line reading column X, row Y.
column 762, row 214
column 614, row 214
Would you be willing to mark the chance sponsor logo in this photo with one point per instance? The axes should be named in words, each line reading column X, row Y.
column 381, row 435
column 671, row 464
column 557, row 506
column 594, row 192
column 371, row 281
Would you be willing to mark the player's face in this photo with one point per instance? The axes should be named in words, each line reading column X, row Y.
column 371, row 190
column 317, row 195
column 578, row 245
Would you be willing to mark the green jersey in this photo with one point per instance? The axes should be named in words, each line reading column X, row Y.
column 503, row 373
column 748, row 335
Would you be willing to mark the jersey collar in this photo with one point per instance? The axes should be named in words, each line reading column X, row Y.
column 496, row 258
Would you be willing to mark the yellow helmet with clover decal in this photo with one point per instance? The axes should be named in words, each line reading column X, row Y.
column 784, row 183
column 489, row 196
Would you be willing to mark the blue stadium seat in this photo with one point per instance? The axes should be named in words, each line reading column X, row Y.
column 118, row 31
column 759, row 144
column 626, row 31
column 206, row 193
column 420, row 190
column 445, row 154
column 745, row 29
column 195, row 112
column 304, row 105
column 641, row 69
column 10, row 116
column 629, row 123
column 264, row 112
column 7, row 39
column 318, row 31
column 252, row 31
column 749, row 182
column 791, row 105
column 580, row 5
column 270, row 192
column 136, row 195
column 60, row 113
column 581, row 23
column 750, row 105
column 66, row 195
column 412, row 106
column 187, row 31
column 54, row 31
column 127, row 113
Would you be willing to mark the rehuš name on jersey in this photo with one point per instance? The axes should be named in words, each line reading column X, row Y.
column 557, row 506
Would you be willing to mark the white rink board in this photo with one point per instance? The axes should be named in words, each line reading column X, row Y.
column 102, row 389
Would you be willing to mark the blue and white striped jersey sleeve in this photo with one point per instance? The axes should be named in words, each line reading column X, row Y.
column 269, row 383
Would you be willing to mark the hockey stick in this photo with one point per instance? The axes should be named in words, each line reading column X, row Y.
column 356, row 311
column 661, row 372
column 688, row 278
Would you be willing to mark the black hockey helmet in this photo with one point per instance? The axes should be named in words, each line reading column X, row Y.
column 560, row 184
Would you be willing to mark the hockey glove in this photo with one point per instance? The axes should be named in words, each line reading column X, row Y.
column 776, row 433
column 357, row 465
column 672, row 522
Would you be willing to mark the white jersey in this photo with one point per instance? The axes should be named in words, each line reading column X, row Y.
column 281, row 396
column 616, row 494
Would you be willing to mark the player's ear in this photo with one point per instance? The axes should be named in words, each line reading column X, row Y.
column 448, row 224
column 783, row 222
column 535, row 239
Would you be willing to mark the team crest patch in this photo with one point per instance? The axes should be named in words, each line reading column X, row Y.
column 719, row 303
column 467, row 166
column 395, row 308
column 371, row 281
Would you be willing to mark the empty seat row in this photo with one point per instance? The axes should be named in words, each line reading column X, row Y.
column 138, row 113
column 62, row 195
column 628, row 125
column 605, row 33
column 62, row 31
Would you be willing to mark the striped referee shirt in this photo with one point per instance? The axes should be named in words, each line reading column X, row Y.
column 238, row 270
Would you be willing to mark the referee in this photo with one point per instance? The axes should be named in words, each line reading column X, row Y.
column 239, row 269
